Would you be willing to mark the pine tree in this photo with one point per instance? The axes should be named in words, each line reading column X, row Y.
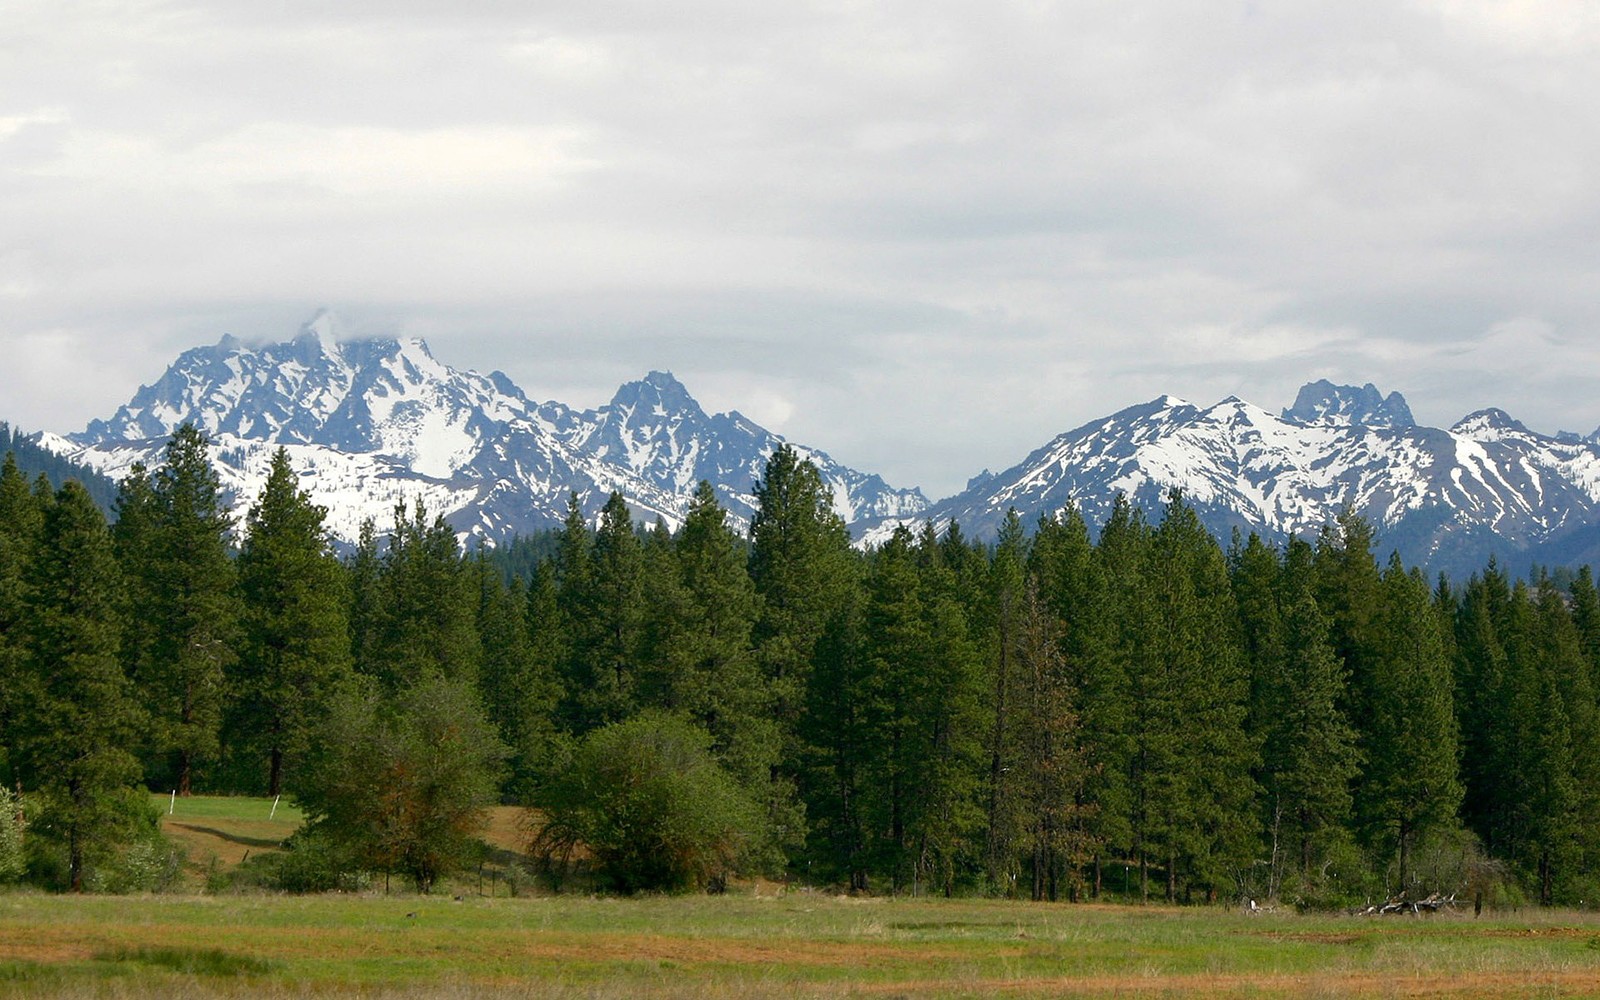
column 295, row 644
column 1073, row 587
column 21, row 523
column 802, row 567
column 1055, row 766
column 1006, row 819
column 518, row 682
column 364, row 575
column 1408, row 782
column 1480, row 679
column 719, row 685
column 606, row 608
column 949, row 694
column 188, row 578
column 427, row 608
column 1348, row 593
column 80, row 716
column 1571, row 857
column 1201, row 794
column 1133, row 741
column 1312, row 755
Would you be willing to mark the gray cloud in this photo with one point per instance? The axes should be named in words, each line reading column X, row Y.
column 924, row 237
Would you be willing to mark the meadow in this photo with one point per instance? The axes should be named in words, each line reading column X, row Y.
column 761, row 941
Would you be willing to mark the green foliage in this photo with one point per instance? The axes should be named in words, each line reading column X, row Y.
column 175, row 553
column 420, row 605
column 295, row 642
column 402, row 784
column 80, row 716
column 648, row 801
column 34, row 460
column 13, row 859
column 310, row 862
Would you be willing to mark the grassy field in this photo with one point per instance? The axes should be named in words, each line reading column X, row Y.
column 762, row 942
column 794, row 944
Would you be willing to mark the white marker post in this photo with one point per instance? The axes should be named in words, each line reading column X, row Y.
column 274, row 810
column 174, row 803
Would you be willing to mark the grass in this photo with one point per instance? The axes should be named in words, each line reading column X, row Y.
column 228, row 828
column 795, row 944
column 761, row 943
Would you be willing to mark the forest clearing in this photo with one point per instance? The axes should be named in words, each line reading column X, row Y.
column 769, row 944
column 760, row 940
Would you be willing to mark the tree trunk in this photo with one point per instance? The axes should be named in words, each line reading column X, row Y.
column 275, row 773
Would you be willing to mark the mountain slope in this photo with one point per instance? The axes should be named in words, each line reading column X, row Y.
column 1444, row 498
column 372, row 423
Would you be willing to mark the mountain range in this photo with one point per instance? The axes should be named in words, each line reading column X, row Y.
column 372, row 423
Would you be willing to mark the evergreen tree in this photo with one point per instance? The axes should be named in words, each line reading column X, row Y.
column 188, row 578
column 1312, row 755
column 1055, row 765
column 1005, row 807
column 518, row 678
column 426, row 613
column 21, row 523
column 528, row 712
column 718, row 683
column 1409, row 780
column 367, row 609
column 295, row 642
column 1199, row 790
column 1348, row 593
column 606, row 609
column 80, row 715
column 1072, row 585
column 1133, row 739
column 802, row 567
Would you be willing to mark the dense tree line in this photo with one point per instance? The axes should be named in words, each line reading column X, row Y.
column 1058, row 713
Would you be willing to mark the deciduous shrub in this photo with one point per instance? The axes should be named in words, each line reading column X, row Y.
column 651, row 806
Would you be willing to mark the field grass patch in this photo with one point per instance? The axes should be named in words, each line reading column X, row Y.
column 210, row 962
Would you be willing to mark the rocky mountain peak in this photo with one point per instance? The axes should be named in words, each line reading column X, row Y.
column 1324, row 402
column 657, row 394
column 1488, row 424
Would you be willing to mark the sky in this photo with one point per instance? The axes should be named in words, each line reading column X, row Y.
column 925, row 236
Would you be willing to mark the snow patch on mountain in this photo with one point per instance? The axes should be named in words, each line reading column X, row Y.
column 371, row 422
column 1444, row 497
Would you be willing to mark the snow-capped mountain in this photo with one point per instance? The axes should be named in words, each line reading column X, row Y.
column 657, row 431
column 1443, row 498
column 372, row 423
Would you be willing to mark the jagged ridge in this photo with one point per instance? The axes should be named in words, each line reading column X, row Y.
column 371, row 423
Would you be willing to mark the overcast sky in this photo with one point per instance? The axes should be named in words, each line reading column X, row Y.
column 923, row 236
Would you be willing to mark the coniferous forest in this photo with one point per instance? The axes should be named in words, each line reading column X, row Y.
column 1140, row 712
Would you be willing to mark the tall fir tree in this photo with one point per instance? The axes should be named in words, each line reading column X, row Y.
column 802, row 567
column 1055, row 763
column 188, row 577
column 295, row 635
column 606, row 614
column 1005, row 814
column 1312, row 753
column 81, row 715
column 1133, row 741
column 21, row 523
column 1408, row 783
column 1199, row 788
column 426, row 606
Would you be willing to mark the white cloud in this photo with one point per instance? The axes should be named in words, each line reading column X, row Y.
column 923, row 236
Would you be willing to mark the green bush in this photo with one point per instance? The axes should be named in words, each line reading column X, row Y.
column 310, row 862
column 13, row 862
column 654, row 809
